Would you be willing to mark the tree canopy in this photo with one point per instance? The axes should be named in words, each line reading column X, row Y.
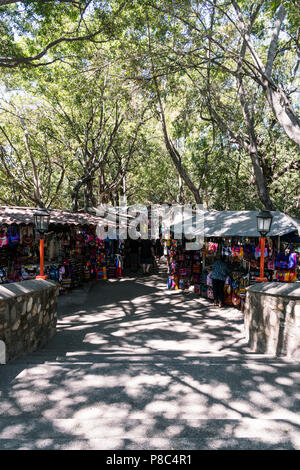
column 163, row 101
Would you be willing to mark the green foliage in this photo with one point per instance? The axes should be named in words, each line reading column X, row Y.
column 186, row 50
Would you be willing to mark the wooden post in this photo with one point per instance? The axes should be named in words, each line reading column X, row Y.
column 262, row 256
column 41, row 276
column 261, row 277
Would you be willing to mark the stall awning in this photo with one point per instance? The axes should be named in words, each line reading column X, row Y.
column 237, row 224
column 24, row 215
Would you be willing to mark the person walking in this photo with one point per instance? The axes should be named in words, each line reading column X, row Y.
column 220, row 271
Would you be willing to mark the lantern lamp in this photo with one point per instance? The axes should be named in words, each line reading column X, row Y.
column 264, row 222
column 41, row 222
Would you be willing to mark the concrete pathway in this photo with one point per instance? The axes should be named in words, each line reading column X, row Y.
column 134, row 366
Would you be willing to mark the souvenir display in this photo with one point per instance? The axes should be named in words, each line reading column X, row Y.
column 184, row 266
column 73, row 255
column 286, row 264
column 242, row 255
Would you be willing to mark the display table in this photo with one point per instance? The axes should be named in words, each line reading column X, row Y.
column 272, row 318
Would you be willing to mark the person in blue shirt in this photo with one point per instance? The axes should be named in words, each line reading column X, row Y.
column 220, row 271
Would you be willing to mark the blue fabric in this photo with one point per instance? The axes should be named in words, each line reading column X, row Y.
column 220, row 270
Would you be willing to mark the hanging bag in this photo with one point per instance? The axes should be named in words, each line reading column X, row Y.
column 3, row 239
column 210, row 293
column 292, row 261
column 13, row 237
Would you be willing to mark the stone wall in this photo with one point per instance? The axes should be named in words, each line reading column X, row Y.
column 28, row 315
column 272, row 319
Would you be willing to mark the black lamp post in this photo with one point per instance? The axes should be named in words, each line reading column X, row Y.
column 264, row 222
column 41, row 222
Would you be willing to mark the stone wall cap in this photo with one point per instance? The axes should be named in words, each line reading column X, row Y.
column 17, row 289
column 278, row 289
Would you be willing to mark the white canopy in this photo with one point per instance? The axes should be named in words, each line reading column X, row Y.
column 235, row 223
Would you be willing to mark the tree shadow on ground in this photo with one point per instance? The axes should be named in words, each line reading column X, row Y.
column 136, row 368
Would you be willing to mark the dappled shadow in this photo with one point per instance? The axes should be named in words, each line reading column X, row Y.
column 142, row 316
column 137, row 367
column 177, row 404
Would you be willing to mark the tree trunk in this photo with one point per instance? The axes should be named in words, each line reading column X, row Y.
column 75, row 195
column 276, row 96
column 263, row 192
column 284, row 112
column 181, row 193
column 85, row 198
column 262, row 189
column 174, row 154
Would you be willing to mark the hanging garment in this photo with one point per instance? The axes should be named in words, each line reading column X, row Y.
column 119, row 266
column 292, row 261
column 170, row 284
column 26, row 235
column 52, row 249
column 13, row 236
column 210, row 293
column 61, row 273
column 197, row 268
column 247, row 250
column 197, row 289
column 172, row 268
column 3, row 239
column 212, row 247
column 226, row 250
column 286, row 276
column 209, row 280
column 66, row 239
column 271, row 265
column 258, row 252
column 238, row 251
column 282, row 261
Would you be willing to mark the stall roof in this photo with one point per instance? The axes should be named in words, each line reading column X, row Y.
column 24, row 215
column 238, row 223
column 216, row 223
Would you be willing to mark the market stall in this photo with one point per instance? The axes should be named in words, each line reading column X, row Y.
column 73, row 252
column 234, row 235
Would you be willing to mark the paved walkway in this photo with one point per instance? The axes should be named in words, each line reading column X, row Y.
column 134, row 366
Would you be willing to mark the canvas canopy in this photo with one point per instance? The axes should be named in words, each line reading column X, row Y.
column 235, row 224
column 25, row 215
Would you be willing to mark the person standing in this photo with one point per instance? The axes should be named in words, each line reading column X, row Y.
column 159, row 251
column 147, row 254
column 220, row 271
column 133, row 254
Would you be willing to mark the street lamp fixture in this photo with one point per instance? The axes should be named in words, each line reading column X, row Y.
column 41, row 222
column 264, row 222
